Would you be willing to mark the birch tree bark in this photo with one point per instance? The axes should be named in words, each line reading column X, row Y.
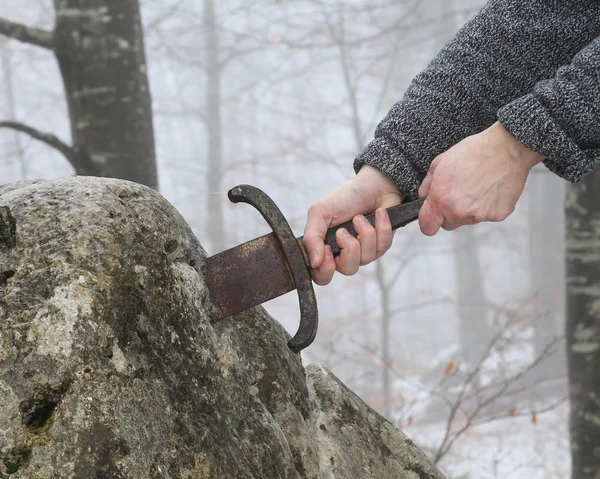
column 99, row 46
column 583, row 323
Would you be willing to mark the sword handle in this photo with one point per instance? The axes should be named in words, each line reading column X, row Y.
column 400, row 216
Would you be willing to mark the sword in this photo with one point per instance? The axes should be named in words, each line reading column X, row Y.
column 275, row 264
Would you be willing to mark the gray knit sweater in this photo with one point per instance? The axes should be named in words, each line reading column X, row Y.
column 534, row 65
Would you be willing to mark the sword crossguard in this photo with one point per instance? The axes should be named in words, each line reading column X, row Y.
column 297, row 261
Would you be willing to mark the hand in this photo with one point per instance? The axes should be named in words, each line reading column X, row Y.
column 367, row 192
column 479, row 179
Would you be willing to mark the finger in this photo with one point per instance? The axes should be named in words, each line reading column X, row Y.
column 314, row 234
column 348, row 260
column 451, row 225
column 460, row 213
column 430, row 220
column 324, row 274
column 383, row 226
column 426, row 184
column 367, row 237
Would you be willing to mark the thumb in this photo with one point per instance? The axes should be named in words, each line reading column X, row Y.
column 430, row 219
column 426, row 184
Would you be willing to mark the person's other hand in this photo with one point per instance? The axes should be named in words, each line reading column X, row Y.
column 479, row 179
column 369, row 191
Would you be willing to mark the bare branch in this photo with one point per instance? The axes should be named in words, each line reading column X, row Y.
column 239, row 53
column 77, row 156
column 47, row 138
column 32, row 35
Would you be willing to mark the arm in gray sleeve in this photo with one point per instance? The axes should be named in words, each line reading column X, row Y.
column 493, row 61
column 560, row 118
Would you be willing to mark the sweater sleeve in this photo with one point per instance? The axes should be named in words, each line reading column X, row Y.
column 487, row 72
column 560, row 118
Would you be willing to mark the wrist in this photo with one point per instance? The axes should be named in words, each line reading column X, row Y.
column 517, row 152
column 375, row 181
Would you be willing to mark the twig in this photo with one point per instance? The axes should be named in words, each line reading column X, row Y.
column 77, row 156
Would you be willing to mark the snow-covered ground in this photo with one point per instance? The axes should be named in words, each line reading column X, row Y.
column 510, row 448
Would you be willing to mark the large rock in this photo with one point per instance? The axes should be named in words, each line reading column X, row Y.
column 110, row 367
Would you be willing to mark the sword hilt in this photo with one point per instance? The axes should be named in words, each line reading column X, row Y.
column 296, row 260
column 400, row 215
column 295, row 255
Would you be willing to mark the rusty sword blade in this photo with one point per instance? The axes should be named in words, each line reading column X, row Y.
column 247, row 275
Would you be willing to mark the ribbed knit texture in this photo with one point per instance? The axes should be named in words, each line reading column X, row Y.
column 534, row 65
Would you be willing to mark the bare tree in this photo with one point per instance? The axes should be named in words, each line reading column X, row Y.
column 99, row 47
column 213, row 121
column 545, row 195
column 473, row 329
column 462, row 397
column 216, row 49
column 583, row 323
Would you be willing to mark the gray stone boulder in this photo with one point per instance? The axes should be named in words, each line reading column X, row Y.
column 111, row 368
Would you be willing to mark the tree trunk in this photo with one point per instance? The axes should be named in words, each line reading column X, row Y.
column 546, row 197
column 214, row 174
column 386, row 317
column 474, row 332
column 583, row 323
column 99, row 46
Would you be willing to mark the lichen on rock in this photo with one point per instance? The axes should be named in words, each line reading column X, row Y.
column 110, row 366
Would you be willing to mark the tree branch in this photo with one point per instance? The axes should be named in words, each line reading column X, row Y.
column 77, row 156
column 32, row 35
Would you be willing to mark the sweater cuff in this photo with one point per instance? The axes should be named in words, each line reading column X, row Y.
column 530, row 123
column 390, row 160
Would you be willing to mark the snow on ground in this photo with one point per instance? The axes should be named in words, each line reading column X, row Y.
column 510, row 448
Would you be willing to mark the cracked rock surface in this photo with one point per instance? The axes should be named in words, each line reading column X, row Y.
column 110, row 367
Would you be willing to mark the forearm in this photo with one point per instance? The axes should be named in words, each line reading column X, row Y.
column 497, row 57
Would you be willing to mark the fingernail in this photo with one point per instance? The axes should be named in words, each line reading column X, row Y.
column 328, row 253
column 343, row 233
column 314, row 256
column 380, row 213
column 362, row 219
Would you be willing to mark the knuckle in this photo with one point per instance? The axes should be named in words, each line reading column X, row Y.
column 461, row 212
column 479, row 217
column 349, row 270
column 320, row 210
column 504, row 213
column 368, row 234
column 353, row 244
column 439, row 200
column 315, row 210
